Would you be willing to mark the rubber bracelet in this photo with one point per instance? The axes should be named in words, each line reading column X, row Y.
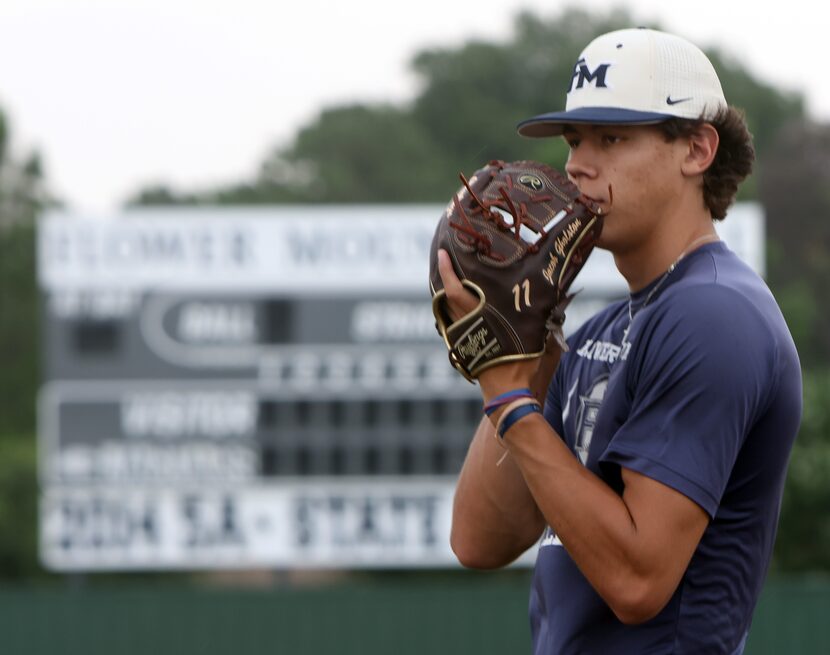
column 515, row 416
column 515, row 412
column 505, row 398
column 519, row 402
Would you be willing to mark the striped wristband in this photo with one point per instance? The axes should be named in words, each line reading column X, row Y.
column 515, row 412
column 506, row 398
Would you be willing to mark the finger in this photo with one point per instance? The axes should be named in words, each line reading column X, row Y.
column 459, row 299
column 450, row 280
column 452, row 285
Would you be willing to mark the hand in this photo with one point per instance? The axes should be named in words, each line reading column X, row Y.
column 516, row 234
column 459, row 300
column 502, row 377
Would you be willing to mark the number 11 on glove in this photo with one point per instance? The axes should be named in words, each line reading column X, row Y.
column 517, row 235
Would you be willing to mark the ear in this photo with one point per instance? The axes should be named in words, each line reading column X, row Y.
column 702, row 148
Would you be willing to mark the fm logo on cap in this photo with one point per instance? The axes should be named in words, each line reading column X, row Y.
column 583, row 74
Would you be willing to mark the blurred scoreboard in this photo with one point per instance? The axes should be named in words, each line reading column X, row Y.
column 256, row 387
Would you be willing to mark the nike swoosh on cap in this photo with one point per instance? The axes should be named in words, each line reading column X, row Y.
column 669, row 100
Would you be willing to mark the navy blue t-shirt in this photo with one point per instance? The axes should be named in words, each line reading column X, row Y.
column 703, row 394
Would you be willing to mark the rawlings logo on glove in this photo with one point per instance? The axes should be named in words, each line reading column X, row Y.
column 517, row 234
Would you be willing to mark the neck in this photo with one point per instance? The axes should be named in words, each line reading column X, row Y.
column 645, row 264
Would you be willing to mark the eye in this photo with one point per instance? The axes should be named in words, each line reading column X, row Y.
column 610, row 139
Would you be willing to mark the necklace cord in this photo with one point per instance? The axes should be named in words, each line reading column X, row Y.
column 700, row 240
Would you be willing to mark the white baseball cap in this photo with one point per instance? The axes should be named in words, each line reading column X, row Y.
column 635, row 77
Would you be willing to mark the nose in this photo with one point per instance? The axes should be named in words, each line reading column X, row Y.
column 580, row 165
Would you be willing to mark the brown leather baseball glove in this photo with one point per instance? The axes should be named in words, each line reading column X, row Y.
column 517, row 234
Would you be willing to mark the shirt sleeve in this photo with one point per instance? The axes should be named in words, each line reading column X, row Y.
column 698, row 374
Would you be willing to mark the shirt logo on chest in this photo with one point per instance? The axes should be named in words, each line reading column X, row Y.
column 586, row 417
column 599, row 351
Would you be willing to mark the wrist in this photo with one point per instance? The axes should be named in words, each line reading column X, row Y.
column 505, row 378
column 498, row 403
column 510, row 414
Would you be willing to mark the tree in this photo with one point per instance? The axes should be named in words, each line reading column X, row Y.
column 18, row 330
column 22, row 196
column 795, row 191
column 22, row 192
column 471, row 98
column 474, row 96
column 359, row 153
column 804, row 531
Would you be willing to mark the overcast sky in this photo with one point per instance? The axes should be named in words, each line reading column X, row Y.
column 118, row 94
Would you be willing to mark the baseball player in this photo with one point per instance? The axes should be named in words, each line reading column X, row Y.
column 652, row 480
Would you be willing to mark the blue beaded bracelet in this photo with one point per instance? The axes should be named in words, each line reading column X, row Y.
column 516, row 415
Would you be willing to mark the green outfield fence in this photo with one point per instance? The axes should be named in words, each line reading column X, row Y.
column 398, row 614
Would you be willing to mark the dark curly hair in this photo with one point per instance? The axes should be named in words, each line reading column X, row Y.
column 733, row 160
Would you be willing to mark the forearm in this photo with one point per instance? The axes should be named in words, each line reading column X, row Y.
column 495, row 518
column 592, row 521
column 614, row 540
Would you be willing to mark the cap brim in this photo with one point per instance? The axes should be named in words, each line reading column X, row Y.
column 553, row 124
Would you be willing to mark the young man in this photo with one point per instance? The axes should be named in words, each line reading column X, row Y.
column 655, row 475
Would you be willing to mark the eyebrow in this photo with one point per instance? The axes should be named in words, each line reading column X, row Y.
column 571, row 128
column 592, row 127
